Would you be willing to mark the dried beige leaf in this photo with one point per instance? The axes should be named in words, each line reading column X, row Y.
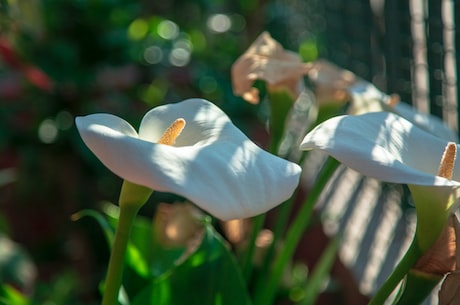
column 449, row 294
column 267, row 60
column 237, row 230
column 325, row 73
column 442, row 258
column 263, row 241
column 331, row 82
column 177, row 225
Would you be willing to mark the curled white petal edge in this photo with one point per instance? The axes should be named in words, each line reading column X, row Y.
column 375, row 144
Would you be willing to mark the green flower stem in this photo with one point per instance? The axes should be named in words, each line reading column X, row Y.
column 403, row 267
column 282, row 218
column 416, row 287
column 266, row 290
column 117, row 257
column 280, row 104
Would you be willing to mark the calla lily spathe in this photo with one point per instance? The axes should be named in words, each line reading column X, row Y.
column 212, row 163
column 367, row 98
column 389, row 148
column 333, row 82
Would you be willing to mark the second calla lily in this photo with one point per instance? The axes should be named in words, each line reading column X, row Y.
column 212, row 163
column 389, row 148
column 335, row 83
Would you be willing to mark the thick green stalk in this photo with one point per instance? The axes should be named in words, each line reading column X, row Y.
column 117, row 257
column 403, row 267
column 282, row 218
column 265, row 292
column 416, row 287
column 280, row 104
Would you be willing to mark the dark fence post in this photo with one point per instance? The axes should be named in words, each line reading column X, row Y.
column 348, row 35
column 397, row 47
column 435, row 56
column 457, row 55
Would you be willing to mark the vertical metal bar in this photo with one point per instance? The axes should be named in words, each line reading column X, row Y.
column 420, row 98
column 457, row 53
column 336, row 44
column 348, row 35
column 398, row 48
column 449, row 90
column 435, row 56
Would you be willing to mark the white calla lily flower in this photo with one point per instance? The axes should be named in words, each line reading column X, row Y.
column 367, row 98
column 333, row 83
column 389, row 148
column 212, row 163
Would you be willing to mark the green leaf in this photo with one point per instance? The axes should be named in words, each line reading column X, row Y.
column 321, row 271
column 9, row 295
column 157, row 259
column 162, row 259
column 134, row 258
column 209, row 275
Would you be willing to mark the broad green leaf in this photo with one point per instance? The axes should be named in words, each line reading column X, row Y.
column 209, row 275
column 163, row 259
column 156, row 258
column 134, row 258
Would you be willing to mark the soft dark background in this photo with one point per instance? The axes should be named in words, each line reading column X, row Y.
column 61, row 58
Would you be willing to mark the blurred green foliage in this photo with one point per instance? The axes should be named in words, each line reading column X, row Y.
column 207, row 274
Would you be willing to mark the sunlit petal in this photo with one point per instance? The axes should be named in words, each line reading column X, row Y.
column 213, row 163
column 101, row 123
column 205, row 123
column 333, row 83
column 427, row 122
column 367, row 98
column 382, row 145
column 387, row 147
